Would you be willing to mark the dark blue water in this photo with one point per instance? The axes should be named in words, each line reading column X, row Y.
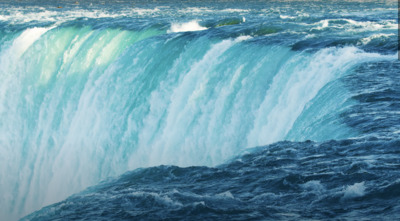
column 334, row 180
column 199, row 110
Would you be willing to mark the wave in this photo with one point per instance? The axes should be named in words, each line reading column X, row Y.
column 355, row 26
column 202, row 10
column 32, row 14
column 185, row 27
column 373, row 37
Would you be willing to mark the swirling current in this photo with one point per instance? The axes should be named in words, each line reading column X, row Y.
column 199, row 110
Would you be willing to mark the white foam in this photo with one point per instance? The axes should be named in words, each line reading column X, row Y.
column 195, row 10
column 286, row 17
column 243, row 38
column 18, row 15
column 367, row 40
column 234, row 10
column 199, row 10
column 355, row 190
column 146, row 11
column 354, row 26
column 185, row 27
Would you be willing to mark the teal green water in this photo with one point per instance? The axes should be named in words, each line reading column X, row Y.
column 91, row 90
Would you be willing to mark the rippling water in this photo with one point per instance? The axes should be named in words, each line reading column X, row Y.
column 262, row 110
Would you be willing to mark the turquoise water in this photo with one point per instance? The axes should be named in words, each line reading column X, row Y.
column 92, row 90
